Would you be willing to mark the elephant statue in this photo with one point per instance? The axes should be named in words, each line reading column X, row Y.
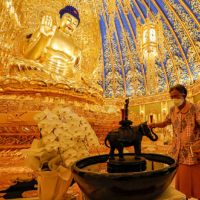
column 126, row 136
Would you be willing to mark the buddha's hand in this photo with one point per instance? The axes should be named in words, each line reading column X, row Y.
column 46, row 27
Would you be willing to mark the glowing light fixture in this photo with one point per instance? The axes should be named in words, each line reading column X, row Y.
column 150, row 45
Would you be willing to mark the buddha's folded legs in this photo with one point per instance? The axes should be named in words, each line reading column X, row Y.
column 28, row 71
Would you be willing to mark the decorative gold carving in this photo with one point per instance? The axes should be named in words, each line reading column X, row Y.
column 121, row 59
column 18, row 136
column 112, row 12
column 166, row 44
column 30, row 105
column 19, row 129
column 195, row 88
column 128, row 49
column 89, row 92
column 175, row 36
column 190, row 12
column 12, row 169
column 139, row 100
column 131, row 11
column 171, row 61
column 7, row 106
column 163, row 67
column 185, row 29
column 15, row 116
column 170, row 68
column 31, row 193
column 11, row 140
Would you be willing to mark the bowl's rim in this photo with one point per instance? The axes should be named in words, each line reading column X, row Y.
column 127, row 174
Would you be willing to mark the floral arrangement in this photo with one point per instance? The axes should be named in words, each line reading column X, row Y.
column 65, row 138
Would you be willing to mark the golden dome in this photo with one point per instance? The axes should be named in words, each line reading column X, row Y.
column 109, row 41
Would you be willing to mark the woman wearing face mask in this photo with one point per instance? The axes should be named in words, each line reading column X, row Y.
column 185, row 118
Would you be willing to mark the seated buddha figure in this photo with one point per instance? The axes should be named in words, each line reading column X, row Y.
column 51, row 50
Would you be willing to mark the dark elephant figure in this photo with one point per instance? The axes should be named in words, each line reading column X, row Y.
column 128, row 136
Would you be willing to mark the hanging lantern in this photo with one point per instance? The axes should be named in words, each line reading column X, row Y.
column 149, row 38
column 149, row 43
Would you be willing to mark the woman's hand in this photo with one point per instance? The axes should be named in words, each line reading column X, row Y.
column 151, row 125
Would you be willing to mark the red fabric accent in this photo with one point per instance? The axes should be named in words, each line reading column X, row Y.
column 187, row 180
column 75, row 12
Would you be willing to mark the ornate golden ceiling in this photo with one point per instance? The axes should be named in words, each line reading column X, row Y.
column 123, row 72
column 113, row 58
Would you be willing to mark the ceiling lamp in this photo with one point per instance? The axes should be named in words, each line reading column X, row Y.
column 150, row 46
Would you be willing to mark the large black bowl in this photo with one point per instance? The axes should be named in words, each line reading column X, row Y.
column 145, row 185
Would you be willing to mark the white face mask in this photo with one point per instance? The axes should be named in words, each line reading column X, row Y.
column 178, row 102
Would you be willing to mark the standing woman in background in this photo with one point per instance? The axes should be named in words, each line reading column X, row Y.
column 185, row 119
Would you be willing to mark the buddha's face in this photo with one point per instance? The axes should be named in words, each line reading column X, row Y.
column 68, row 23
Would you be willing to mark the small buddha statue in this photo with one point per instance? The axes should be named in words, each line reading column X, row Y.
column 51, row 49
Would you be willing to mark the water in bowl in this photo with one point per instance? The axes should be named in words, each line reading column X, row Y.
column 102, row 167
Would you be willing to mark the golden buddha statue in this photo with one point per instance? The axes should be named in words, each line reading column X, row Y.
column 52, row 49
column 50, row 58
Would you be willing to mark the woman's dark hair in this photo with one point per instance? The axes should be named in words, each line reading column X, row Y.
column 180, row 88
